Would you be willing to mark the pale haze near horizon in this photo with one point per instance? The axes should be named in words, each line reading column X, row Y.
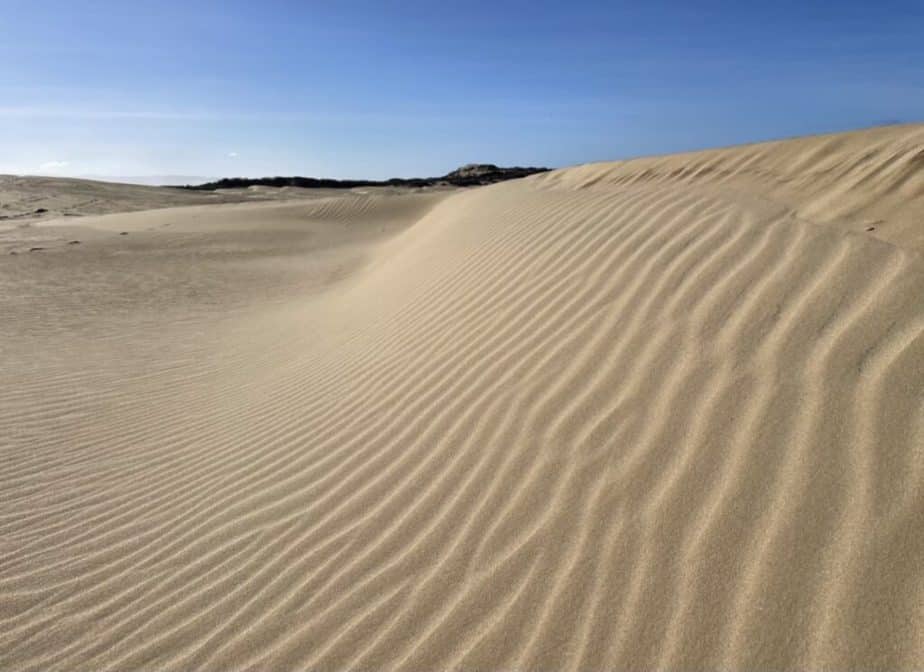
column 373, row 90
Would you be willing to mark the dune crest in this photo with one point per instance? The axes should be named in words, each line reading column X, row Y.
column 665, row 413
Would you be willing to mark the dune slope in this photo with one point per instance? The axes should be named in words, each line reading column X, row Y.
column 665, row 413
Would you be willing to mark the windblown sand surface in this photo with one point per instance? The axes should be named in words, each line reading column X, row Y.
column 658, row 414
column 25, row 200
column 21, row 197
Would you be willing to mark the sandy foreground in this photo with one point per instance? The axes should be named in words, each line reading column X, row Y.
column 665, row 413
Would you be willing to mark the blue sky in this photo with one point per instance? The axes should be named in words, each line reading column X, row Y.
column 381, row 89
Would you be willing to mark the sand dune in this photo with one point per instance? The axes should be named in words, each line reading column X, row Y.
column 665, row 413
column 22, row 196
column 27, row 200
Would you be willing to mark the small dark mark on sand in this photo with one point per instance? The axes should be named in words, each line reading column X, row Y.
column 73, row 242
column 36, row 249
column 870, row 228
column 123, row 233
column 39, row 211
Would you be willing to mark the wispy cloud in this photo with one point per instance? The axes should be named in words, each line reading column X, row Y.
column 232, row 155
column 345, row 115
column 56, row 112
column 52, row 166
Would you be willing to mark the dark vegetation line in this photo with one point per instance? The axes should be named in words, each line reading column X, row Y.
column 466, row 176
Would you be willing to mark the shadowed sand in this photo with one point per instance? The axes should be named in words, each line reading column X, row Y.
column 665, row 413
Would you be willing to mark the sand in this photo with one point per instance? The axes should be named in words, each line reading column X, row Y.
column 665, row 413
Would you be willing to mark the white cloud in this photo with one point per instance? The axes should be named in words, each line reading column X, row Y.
column 66, row 112
column 53, row 165
column 232, row 155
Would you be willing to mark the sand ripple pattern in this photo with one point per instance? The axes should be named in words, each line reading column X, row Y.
column 564, row 427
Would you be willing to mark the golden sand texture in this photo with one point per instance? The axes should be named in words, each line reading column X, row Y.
column 665, row 413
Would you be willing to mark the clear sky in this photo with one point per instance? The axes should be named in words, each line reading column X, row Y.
column 379, row 89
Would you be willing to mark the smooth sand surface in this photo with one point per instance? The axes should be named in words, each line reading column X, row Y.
column 665, row 413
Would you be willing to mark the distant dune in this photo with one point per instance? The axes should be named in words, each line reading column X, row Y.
column 153, row 180
column 24, row 197
column 665, row 413
column 29, row 199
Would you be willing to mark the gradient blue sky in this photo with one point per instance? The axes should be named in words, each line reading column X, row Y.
column 381, row 89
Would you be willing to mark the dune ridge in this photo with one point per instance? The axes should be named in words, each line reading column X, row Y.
column 665, row 413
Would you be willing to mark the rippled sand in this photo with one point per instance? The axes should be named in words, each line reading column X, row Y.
column 665, row 413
